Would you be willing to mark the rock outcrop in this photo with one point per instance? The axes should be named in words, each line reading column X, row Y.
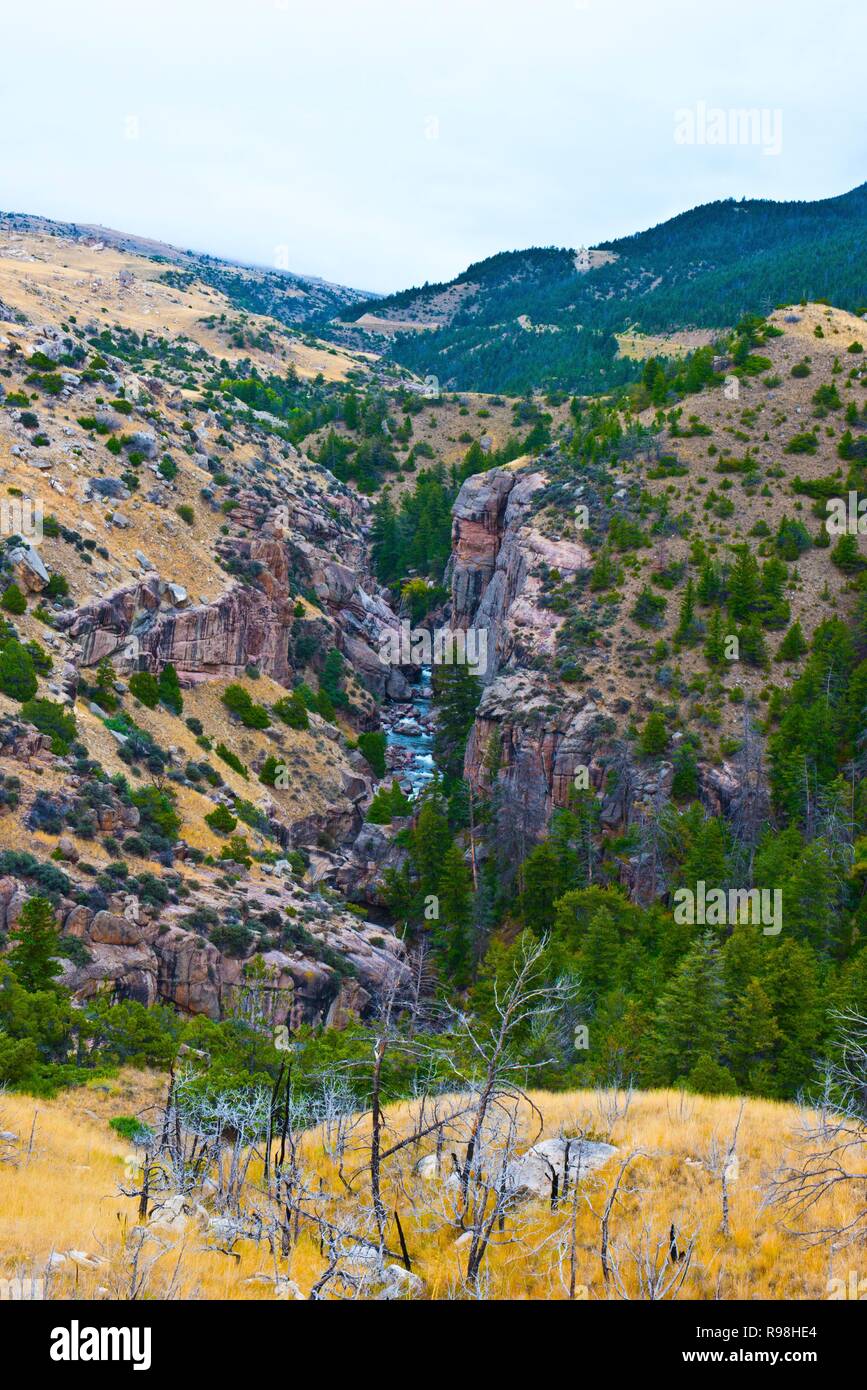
column 146, row 625
column 497, row 558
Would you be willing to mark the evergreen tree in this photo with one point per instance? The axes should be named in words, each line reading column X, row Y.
column 710, row 582
column 714, row 647
column 751, row 644
column 755, row 1033
column 600, row 957
column 691, row 1013
column 793, row 645
column 453, row 934
column 686, row 627
column 684, row 783
column 17, row 672
column 456, row 694
column 706, row 857
column 170, row 689
column 35, row 957
column 384, row 541
column 744, row 584
column 430, row 841
column 654, row 735
column 810, row 898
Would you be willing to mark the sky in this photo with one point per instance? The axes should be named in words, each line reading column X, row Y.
column 382, row 143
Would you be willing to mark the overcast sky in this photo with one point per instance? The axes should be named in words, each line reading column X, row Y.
column 381, row 143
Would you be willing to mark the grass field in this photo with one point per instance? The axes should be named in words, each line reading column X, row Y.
column 60, row 1192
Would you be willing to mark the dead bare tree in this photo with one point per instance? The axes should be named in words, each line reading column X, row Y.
column 659, row 1266
column 723, row 1163
column 528, row 999
column 831, row 1149
column 604, row 1218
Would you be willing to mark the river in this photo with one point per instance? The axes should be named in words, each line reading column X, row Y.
column 408, row 728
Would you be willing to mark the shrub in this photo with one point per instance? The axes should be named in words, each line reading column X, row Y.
column 654, row 735
column 372, row 746
column 158, row 811
column 804, row 443
column 130, row 1128
column 238, row 850
column 293, row 711
column 232, row 938
column 57, row 587
column 221, row 820
column 186, row 513
column 17, row 672
column 169, row 689
column 388, row 803
column 145, row 688
column 13, row 600
column 649, row 609
column 229, row 757
column 237, row 700
column 272, row 768
column 52, row 719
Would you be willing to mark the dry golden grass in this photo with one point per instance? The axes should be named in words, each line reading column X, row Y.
column 65, row 1196
column 50, row 277
column 679, row 344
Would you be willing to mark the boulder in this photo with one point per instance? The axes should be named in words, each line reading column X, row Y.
column 533, row 1173
column 27, row 568
column 113, row 930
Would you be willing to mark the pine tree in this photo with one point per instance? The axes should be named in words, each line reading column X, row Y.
column 810, row 897
column 539, row 875
column 601, row 955
column 684, row 783
column 744, row 585
column 791, row 981
column 706, row 858
column 714, row 647
column 105, row 694
column 453, row 935
column 430, row 841
column 710, row 582
column 654, row 735
column 34, row 958
column 690, row 1016
column 793, row 645
column 604, row 571
column 752, row 646
column 755, row 1033
column 170, row 689
column 456, row 694
column 686, row 626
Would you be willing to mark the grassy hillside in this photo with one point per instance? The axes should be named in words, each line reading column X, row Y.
column 544, row 318
column 61, row 1179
